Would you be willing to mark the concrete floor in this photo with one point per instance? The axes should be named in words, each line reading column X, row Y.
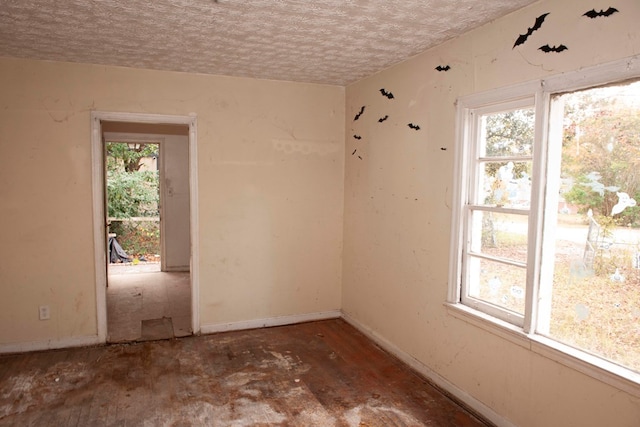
column 312, row 374
column 144, row 304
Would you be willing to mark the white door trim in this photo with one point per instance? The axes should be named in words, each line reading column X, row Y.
column 99, row 226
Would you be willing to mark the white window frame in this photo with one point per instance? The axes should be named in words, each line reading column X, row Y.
column 527, row 331
column 526, row 99
column 468, row 110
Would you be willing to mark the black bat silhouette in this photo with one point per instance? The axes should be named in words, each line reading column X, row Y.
column 536, row 26
column 382, row 119
column 359, row 114
column 414, row 127
column 594, row 14
column 357, row 137
column 546, row 48
column 443, row 68
column 385, row 93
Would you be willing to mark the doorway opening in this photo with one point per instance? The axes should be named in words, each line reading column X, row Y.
column 144, row 223
column 133, row 205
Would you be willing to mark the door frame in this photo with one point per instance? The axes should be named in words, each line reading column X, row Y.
column 99, row 214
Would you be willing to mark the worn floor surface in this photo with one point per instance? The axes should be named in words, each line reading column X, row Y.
column 146, row 304
column 313, row 374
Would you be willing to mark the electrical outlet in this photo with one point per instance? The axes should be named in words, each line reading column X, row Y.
column 45, row 312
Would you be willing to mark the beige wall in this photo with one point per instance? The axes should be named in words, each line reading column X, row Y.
column 270, row 162
column 174, row 202
column 275, row 161
column 398, row 211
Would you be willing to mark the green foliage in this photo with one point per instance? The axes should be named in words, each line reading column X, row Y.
column 132, row 194
column 584, row 195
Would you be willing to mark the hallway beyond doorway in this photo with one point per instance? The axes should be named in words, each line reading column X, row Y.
column 144, row 304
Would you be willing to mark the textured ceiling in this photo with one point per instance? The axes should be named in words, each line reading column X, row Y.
column 320, row 41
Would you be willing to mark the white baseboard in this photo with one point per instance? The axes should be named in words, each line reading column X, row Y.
column 459, row 394
column 50, row 344
column 270, row 321
column 205, row 329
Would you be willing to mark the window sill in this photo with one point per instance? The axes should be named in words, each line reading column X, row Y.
column 593, row 366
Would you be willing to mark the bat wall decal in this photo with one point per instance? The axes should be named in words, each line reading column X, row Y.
column 358, row 137
column 382, row 119
column 536, row 26
column 546, row 48
column 443, row 68
column 595, row 14
column 359, row 114
column 385, row 93
column 414, row 127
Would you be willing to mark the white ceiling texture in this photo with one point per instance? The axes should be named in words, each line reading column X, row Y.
column 333, row 42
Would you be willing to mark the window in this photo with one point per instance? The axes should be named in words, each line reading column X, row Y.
column 497, row 209
column 546, row 234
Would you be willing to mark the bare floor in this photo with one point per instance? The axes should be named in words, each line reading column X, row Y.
column 313, row 374
column 145, row 304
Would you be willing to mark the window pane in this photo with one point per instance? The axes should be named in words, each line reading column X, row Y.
column 496, row 283
column 508, row 134
column 595, row 299
column 504, row 184
column 499, row 235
